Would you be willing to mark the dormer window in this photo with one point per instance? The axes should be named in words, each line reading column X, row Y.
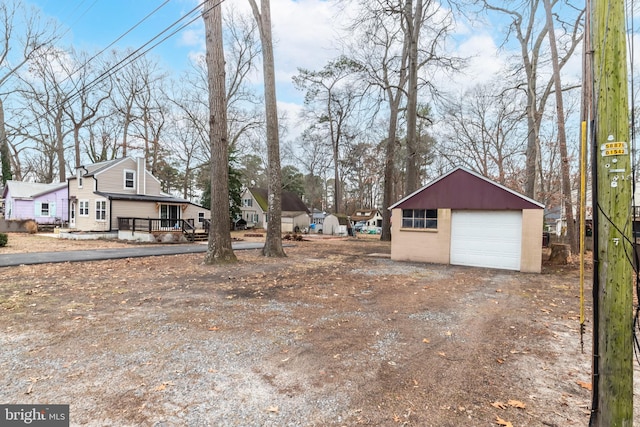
column 129, row 179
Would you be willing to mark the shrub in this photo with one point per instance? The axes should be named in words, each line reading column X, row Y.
column 4, row 239
column 31, row 226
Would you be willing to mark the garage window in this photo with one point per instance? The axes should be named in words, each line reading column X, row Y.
column 420, row 218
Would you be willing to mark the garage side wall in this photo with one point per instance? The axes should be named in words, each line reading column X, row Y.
column 532, row 222
column 421, row 245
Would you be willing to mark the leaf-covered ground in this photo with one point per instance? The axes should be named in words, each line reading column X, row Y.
column 335, row 334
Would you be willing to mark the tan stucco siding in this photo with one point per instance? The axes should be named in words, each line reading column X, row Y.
column 421, row 245
column 531, row 258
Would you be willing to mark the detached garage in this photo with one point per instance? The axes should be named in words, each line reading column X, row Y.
column 463, row 218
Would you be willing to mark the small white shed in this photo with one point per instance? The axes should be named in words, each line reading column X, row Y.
column 334, row 226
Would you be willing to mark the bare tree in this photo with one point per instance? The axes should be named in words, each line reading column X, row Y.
column 219, row 248
column 102, row 141
column 88, row 95
column 413, row 23
column 562, row 137
column 397, row 41
column 530, row 34
column 273, row 243
column 331, row 98
column 382, row 49
column 482, row 131
column 313, row 154
column 22, row 31
column 241, row 49
column 48, row 92
column 131, row 81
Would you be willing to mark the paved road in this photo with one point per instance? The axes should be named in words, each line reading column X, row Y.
column 9, row 260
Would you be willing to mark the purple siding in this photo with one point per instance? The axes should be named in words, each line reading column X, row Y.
column 463, row 190
column 31, row 208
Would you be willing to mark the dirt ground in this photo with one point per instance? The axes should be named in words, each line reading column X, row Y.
column 335, row 334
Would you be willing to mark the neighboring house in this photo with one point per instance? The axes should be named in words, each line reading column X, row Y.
column 368, row 219
column 43, row 203
column 100, row 193
column 464, row 218
column 317, row 220
column 295, row 214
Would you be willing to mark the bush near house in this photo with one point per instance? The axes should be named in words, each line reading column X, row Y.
column 31, row 226
column 4, row 239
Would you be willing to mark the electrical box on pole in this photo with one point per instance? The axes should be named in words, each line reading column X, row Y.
column 613, row 251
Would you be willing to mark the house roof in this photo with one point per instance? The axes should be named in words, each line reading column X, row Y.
column 462, row 188
column 363, row 214
column 28, row 190
column 95, row 168
column 291, row 202
column 143, row 197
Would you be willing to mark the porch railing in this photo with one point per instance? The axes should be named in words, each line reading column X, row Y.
column 157, row 224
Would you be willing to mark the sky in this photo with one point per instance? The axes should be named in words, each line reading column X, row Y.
column 304, row 31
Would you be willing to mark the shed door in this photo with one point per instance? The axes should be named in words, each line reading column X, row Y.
column 486, row 239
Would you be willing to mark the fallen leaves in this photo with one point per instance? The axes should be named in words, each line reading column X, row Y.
column 516, row 404
column 499, row 405
column 510, row 403
column 584, row 384
column 502, row 422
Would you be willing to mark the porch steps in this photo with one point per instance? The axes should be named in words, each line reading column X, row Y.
column 198, row 236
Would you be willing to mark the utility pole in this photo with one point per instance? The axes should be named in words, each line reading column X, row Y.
column 613, row 275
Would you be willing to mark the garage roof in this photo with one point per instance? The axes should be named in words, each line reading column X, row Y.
column 462, row 188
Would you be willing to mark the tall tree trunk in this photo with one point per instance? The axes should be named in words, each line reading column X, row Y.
column 62, row 164
column 414, row 22
column 389, row 169
column 5, row 155
column 273, row 242
column 219, row 249
column 533, row 145
column 562, row 137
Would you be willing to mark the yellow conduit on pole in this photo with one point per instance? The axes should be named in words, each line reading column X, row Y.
column 583, row 186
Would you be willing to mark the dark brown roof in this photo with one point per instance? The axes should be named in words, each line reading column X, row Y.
column 464, row 189
column 291, row 202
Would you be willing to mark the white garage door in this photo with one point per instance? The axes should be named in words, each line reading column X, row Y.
column 486, row 239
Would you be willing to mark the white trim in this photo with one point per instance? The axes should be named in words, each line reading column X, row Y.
column 86, row 206
column 133, row 179
column 95, row 205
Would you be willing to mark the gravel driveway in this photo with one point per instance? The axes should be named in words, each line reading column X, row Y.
column 332, row 335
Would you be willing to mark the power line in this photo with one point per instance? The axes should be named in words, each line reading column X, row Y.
column 158, row 39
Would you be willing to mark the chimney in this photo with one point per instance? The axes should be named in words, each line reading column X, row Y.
column 141, row 173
